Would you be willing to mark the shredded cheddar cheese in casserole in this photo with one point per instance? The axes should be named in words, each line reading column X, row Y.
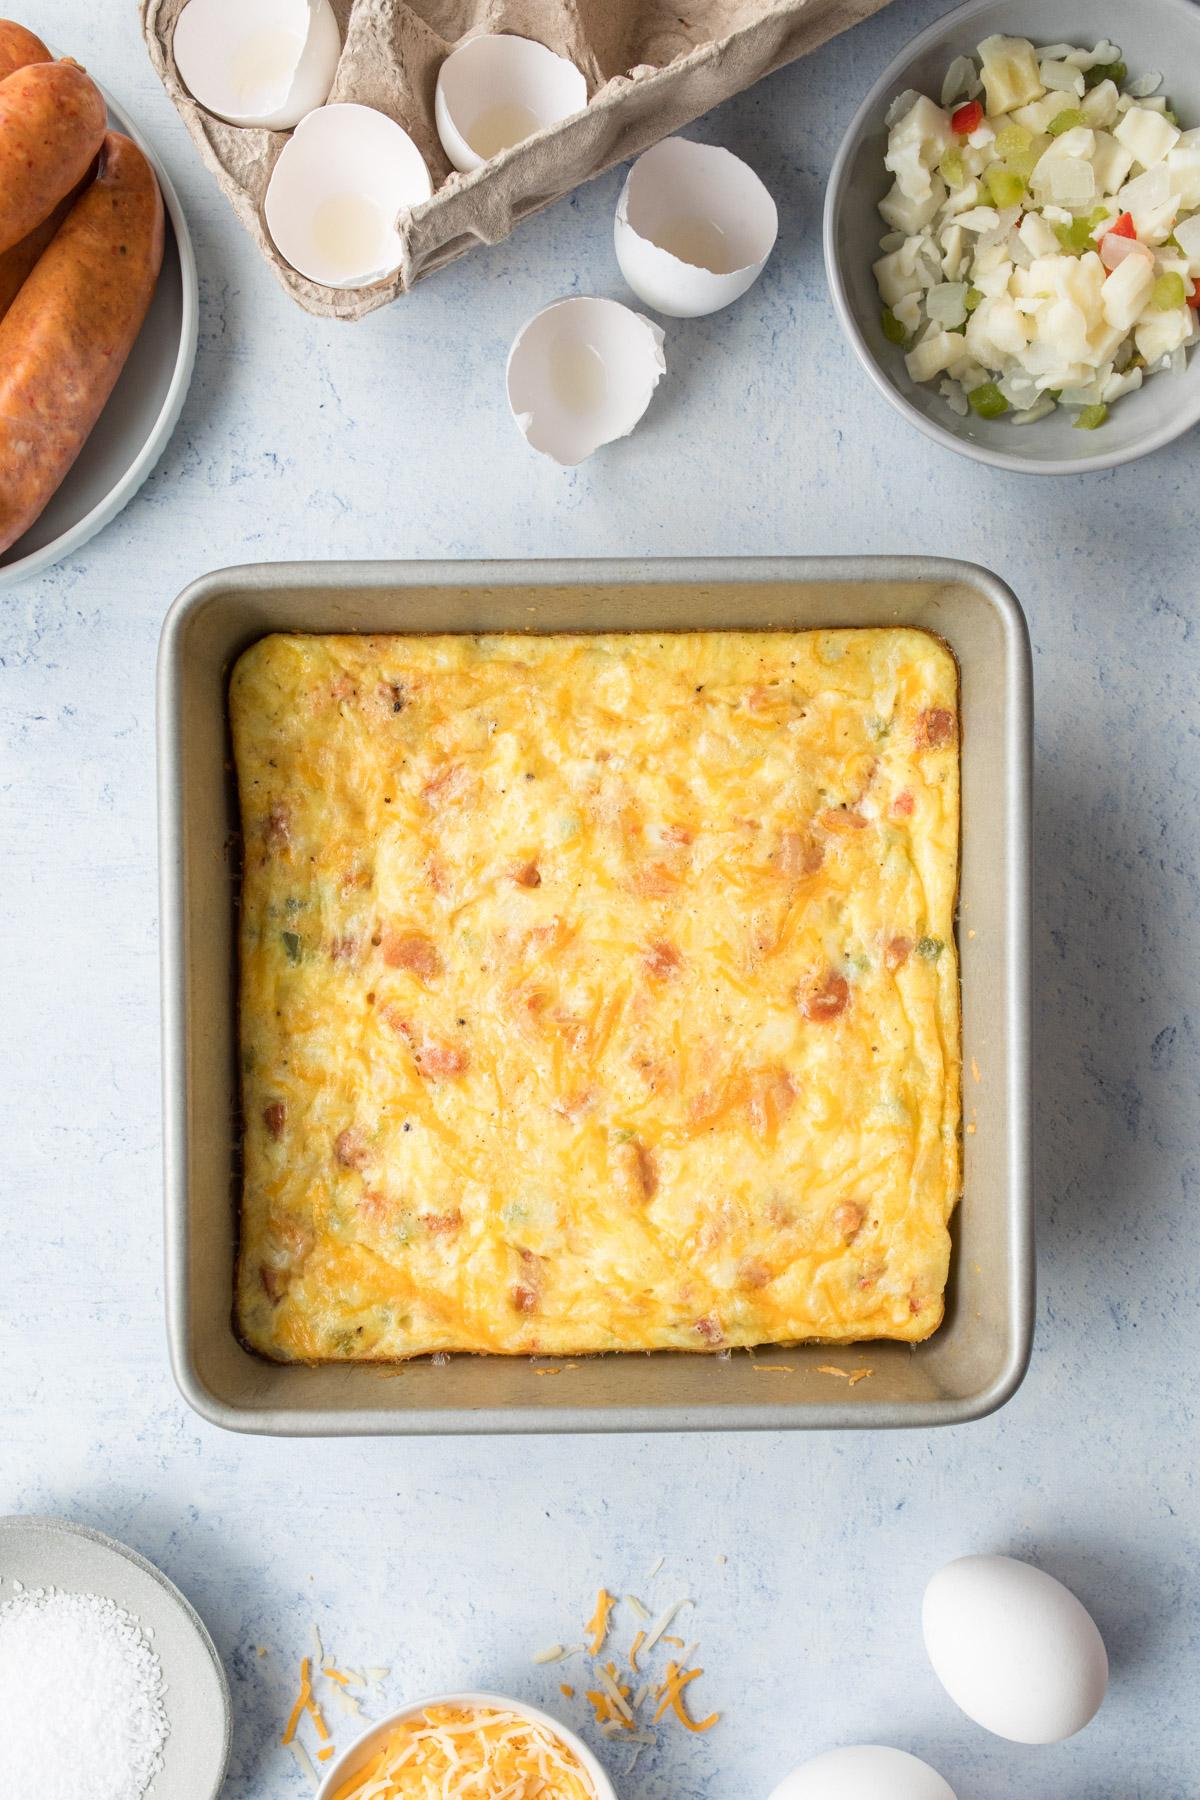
column 597, row 993
column 447, row 1751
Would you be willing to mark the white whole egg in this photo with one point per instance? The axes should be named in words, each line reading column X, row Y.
column 258, row 62
column 1014, row 1648
column 864, row 1772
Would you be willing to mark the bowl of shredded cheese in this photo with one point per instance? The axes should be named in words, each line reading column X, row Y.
column 465, row 1745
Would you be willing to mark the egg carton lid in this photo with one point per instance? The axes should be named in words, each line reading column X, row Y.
column 648, row 70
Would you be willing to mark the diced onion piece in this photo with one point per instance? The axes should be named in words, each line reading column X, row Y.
column 1187, row 236
column 1032, row 414
column 946, row 304
column 962, row 81
column 1142, row 85
column 903, row 103
column 1115, row 249
column 1183, row 174
column 1061, row 77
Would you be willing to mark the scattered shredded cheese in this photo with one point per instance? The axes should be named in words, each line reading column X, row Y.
column 665, row 1619
column 641, row 1613
column 860, row 1375
column 552, row 1653
column 597, row 1625
column 639, row 1639
column 671, row 1690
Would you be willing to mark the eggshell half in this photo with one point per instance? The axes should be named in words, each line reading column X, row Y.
column 334, row 195
column 694, row 228
column 582, row 373
column 1014, row 1648
column 495, row 90
column 864, row 1772
column 258, row 62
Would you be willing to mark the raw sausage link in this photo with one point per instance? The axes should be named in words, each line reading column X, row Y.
column 67, row 335
column 52, row 122
column 16, row 264
column 19, row 48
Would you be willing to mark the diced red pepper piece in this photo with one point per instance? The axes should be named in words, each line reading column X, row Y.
column 1123, row 228
column 1193, row 298
column 967, row 118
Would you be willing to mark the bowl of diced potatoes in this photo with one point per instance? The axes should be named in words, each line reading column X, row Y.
column 1012, row 231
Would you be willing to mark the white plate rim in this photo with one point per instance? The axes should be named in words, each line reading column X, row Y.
column 53, row 1523
column 128, row 483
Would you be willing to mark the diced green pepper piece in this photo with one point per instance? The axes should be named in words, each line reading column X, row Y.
column 1077, row 236
column 893, row 330
column 1066, row 121
column 1091, row 417
column 1114, row 72
column 930, row 948
column 954, row 169
column 1012, row 140
column 292, row 945
column 974, row 296
column 1024, row 162
column 1004, row 185
column 989, row 403
column 1168, row 292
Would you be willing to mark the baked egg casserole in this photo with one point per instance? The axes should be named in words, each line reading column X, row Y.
column 597, row 992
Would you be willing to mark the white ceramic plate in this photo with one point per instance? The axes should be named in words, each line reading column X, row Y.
column 143, row 409
column 42, row 1552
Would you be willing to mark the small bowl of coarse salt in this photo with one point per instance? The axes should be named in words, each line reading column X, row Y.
column 113, row 1688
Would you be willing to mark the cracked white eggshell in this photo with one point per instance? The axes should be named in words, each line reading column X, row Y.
column 1014, row 1648
column 258, row 62
column 581, row 373
column 495, row 90
column 864, row 1772
column 340, row 181
column 694, row 228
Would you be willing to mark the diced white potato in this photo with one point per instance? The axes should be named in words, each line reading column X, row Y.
column 1183, row 173
column 933, row 356
column 908, row 215
column 994, row 280
column 1010, row 73
column 1063, row 332
column 896, row 276
column 996, row 330
column 1031, row 304
column 1158, row 333
column 1146, row 134
column 1037, row 236
column 1099, row 105
column 1061, row 77
column 1187, row 236
column 1111, row 161
column 1105, row 341
column 953, row 242
column 1127, row 290
column 1039, row 114
column 916, row 144
column 1116, row 385
column 908, row 311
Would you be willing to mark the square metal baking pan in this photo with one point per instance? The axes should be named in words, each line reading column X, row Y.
column 970, row 1366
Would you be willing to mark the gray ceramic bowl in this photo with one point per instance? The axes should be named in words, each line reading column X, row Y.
column 1153, row 34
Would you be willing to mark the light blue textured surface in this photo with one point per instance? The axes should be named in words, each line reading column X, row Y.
column 453, row 1561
